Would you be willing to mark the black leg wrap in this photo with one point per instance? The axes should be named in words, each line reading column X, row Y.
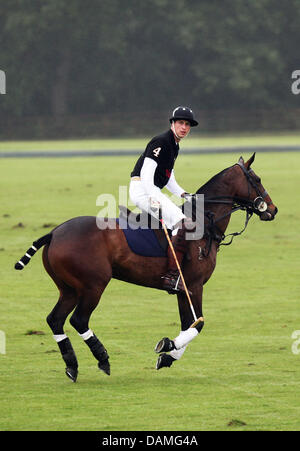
column 97, row 348
column 100, row 353
column 164, row 360
column 199, row 326
column 69, row 357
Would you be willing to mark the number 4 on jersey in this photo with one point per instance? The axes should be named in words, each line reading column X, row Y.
column 156, row 151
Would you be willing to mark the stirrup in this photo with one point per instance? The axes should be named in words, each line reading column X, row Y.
column 173, row 286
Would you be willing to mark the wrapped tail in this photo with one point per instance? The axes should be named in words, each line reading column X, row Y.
column 36, row 245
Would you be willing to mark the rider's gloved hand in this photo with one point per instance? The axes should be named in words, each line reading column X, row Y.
column 188, row 196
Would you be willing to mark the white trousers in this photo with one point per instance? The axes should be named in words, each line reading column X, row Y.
column 171, row 214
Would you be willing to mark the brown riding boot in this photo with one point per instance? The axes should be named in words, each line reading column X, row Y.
column 171, row 280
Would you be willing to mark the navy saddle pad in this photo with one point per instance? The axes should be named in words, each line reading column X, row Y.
column 144, row 242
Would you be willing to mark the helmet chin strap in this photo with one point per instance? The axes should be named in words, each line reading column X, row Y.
column 173, row 130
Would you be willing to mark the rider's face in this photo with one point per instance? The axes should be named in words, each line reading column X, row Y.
column 181, row 128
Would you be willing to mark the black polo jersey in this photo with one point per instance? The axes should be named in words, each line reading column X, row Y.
column 164, row 150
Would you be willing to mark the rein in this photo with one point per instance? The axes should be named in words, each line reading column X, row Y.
column 213, row 232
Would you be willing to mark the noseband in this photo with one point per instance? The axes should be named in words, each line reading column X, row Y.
column 259, row 203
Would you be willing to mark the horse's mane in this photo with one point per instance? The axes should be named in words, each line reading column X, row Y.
column 208, row 186
column 208, row 189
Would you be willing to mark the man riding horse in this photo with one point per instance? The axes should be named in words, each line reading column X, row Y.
column 153, row 171
column 82, row 258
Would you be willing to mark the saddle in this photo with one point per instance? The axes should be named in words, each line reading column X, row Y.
column 144, row 233
column 150, row 241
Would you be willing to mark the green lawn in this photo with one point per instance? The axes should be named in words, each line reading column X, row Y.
column 195, row 140
column 240, row 367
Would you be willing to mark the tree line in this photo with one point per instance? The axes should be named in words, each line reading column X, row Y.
column 113, row 56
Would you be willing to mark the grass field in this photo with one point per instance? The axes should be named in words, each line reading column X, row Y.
column 138, row 144
column 238, row 374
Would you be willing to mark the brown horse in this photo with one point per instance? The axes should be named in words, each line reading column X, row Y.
column 81, row 258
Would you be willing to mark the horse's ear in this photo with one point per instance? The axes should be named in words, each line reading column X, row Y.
column 241, row 161
column 250, row 161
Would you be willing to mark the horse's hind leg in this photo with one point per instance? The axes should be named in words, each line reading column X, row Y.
column 56, row 319
column 80, row 321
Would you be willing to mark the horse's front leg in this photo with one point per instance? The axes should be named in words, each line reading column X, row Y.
column 171, row 350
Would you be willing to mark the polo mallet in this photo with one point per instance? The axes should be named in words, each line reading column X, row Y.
column 196, row 320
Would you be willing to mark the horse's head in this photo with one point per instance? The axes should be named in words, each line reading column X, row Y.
column 252, row 189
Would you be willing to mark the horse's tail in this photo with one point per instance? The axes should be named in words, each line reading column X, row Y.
column 36, row 245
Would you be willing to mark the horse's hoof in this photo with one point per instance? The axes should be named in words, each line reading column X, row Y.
column 164, row 360
column 164, row 345
column 72, row 373
column 104, row 366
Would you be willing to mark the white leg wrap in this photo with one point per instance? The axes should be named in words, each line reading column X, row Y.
column 185, row 337
column 86, row 335
column 60, row 337
column 177, row 353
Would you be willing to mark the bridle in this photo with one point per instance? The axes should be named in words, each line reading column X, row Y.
column 258, row 206
column 259, row 203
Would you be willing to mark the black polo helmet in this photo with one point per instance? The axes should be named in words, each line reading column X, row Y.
column 184, row 112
